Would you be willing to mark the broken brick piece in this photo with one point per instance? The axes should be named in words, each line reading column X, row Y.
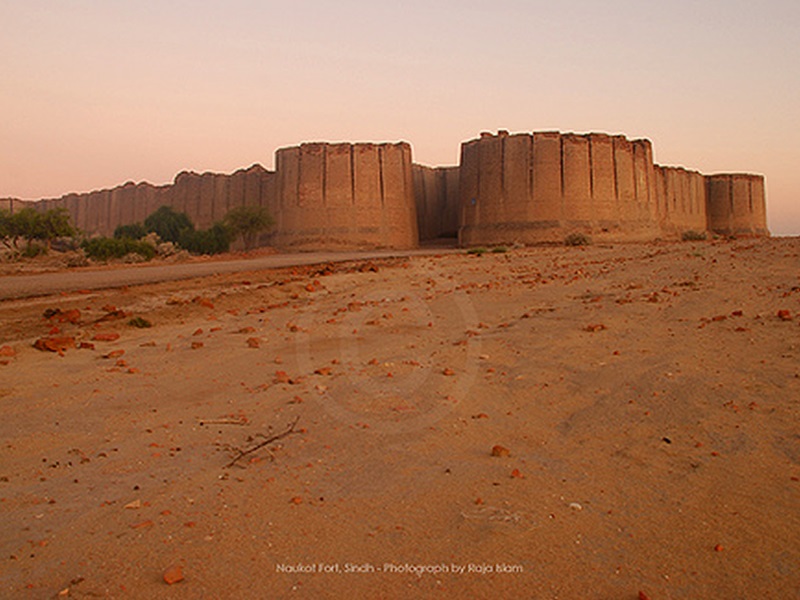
column 173, row 575
column 54, row 344
column 105, row 337
column 500, row 451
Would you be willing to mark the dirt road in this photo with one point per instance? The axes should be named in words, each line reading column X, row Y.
column 24, row 286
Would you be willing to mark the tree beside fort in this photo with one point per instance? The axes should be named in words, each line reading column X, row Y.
column 31, row 225
column 248, row 222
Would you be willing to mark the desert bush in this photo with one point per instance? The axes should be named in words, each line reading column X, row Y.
column 577, row 239
column 55, row 223
column 208, row 241
column 134, row 231
column 168, row 224
column 140, row 322
column 132, row 258
column 477, row 251
column 5, row 227
column 33, row 250
column 693, row 236
column 499, row 250
column 103, row 248
column 30, row 225
column 75, row 258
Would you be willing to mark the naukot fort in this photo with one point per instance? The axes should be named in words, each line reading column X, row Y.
column 529, row 188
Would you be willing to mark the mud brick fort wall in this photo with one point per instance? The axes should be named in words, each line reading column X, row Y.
column 205, row 198
column 528, row 188
column 540, row 187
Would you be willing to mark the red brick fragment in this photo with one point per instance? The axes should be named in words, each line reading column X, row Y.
column 173, row 575
column 105, row 337
column 500, row 451
column 283, row 377
column 54, row 344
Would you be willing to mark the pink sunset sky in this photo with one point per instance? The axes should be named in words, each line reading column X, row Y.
column 96, row 93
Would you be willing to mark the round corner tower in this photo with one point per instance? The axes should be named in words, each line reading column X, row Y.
column 541, row 187
column 736, row 204
column 342, row 195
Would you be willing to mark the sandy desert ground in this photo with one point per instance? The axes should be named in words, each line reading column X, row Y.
column 604, row 422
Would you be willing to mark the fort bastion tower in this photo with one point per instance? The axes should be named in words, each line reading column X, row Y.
column 345, row 196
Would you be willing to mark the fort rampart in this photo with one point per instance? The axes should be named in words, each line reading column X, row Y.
column 528, row 188
column 205, row 198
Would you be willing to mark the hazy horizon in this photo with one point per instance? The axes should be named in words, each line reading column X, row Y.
column 96, row 94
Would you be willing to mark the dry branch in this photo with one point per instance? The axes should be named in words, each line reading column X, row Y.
column 242, row 453
column 223, row 421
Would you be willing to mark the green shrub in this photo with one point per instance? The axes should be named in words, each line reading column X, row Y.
column 34, row 250
column 30, row 224
column 477, row 251
column 168, row 224
column 208, row 241
column 140, row 322
column 693, row 236
column 134, row 231
column 6, row 227
column 577, row 239
column 107, row 248
column 55, row 223
column 499, row 250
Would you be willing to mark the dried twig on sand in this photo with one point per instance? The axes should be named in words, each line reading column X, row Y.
column 242, row 421
column 242, row 453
